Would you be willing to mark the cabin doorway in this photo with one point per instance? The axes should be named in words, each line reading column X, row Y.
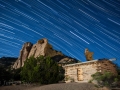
column 80, row 74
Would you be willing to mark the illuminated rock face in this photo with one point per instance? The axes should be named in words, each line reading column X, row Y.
column 81, row 72
column 23, row 55
column 38, row 48
column 42, row 47
column 88, row 55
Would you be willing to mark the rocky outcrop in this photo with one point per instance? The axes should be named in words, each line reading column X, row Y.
column 67, row 60
column 23, row 55
column 38, row 48
column 42, row 47
column 88, row 55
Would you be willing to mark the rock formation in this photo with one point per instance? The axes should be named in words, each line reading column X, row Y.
column 23, row 55
column 88, row 55
column 67, row 60
column 42, row 47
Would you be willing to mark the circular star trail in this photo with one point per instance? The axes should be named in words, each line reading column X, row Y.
column 69, row 25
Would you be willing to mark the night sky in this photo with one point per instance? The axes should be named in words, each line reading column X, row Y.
column 69, row 25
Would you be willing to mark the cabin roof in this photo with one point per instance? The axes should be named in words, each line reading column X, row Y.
column 96, row 60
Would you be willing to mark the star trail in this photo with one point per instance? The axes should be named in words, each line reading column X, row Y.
column 69, row 25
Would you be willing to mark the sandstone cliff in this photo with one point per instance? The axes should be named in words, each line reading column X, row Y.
column 24, row 52
column 42, row 47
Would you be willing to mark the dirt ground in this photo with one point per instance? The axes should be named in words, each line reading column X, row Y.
column 60, row 86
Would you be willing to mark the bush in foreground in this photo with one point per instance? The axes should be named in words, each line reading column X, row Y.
column 107, row 79
column 40, row 69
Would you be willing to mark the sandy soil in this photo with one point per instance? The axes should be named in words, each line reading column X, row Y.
column 60, row 86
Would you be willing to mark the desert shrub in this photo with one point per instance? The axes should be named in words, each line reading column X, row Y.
column 105, row 79
column 16, row 74
column 40, row 69
column 90, row 81
column 4, row 74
